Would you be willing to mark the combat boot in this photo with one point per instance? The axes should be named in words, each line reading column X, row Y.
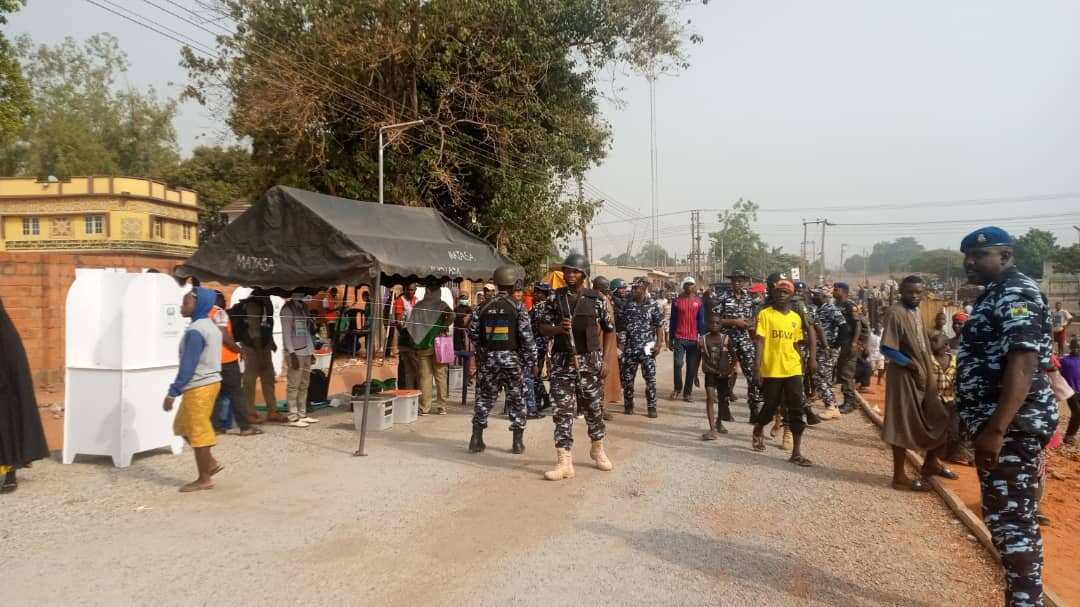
column 812, row 419
column 518, row 444
column 788, row 442
column 597, row 454
column 564, row 468
column 476, row 443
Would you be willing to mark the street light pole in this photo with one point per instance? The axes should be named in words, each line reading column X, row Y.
column 382, row 129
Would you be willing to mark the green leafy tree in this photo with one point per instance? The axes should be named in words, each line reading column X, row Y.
column 83, row 123
column 855, row 264
column 892, row 257
column 1067, row 260
column 944, row 263
column 1033, row 249
column 15, row 99
column 742, row 248
column 653, row 255
column 221, row 176
column 509, row 92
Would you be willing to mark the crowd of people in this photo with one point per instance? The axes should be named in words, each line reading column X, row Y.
column 986, row 395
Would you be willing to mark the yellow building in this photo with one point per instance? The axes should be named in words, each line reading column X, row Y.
column 97, row 214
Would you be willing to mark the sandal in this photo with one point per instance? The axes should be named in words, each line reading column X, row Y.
column 944, row 472
column 758, row 443
column 217, row 468
column 195, row 486
column 710, row 435
column 915, row 484
column 799, row 460
column 251, row 431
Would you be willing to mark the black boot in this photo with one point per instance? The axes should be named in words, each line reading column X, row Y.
column 476, row 443
column 652, row 413
column 519, row 444
column 812, row 418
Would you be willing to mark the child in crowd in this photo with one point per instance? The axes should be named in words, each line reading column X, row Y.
column 877, row 360
column 715, row 348
column 945, row 370
column 863, row 369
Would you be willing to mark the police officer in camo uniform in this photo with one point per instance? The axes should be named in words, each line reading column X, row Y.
column 505, row 351
column 1004, row 399
column 540, row 398
column 736, row 311
column 640, row 323
column 827, row 321
column 574, row 318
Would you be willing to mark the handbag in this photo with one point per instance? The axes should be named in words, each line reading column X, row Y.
column 444, row 350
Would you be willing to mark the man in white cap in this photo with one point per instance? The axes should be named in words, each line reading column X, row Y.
column 687, row 324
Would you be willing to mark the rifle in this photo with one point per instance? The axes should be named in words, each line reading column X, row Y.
column 573, row 345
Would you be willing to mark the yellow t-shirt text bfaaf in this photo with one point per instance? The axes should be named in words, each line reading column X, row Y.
column 780, row 332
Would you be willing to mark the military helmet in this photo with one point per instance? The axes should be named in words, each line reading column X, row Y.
column 617, row 284
column 578, row 262
column 507, row 275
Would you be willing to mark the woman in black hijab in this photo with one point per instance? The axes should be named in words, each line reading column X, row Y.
column 21, row 438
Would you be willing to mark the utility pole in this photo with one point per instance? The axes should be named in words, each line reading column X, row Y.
column 843, row 248
column 824, row 224
column 802, row 265
column 584, row 225
column 865, row 277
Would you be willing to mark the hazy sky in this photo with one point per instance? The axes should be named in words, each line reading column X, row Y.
column 800, row 105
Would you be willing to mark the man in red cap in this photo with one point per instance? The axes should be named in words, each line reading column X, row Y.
column 779, row 370
column 958, row 321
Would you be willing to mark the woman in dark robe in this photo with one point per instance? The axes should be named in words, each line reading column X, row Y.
column 22, row 439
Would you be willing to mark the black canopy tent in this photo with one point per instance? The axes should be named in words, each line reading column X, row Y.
column 295, row 239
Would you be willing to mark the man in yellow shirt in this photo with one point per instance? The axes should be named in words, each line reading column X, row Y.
column 779, row 369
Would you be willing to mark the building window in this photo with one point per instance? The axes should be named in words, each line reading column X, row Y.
column 159, row 228
column 31, row 226
column 187, row 232
column 95, row 224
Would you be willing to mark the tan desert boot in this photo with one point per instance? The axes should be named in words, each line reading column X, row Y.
column 564, row 468
column 598, row 456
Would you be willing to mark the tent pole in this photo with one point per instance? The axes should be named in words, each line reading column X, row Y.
column 333, row 338
column 360, row 452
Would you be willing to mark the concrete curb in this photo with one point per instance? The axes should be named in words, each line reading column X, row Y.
column 971, row 520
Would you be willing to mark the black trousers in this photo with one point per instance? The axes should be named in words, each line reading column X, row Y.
column 232, row 385
column 783, row 394
column 845, row 374
column 1074, row 417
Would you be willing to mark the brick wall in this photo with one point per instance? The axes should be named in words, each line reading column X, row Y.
column 34, row 287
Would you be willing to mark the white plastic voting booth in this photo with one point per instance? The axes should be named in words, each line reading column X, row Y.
column 123, row 335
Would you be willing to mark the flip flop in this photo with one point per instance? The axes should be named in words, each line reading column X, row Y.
column 710, row 436
column 195, row 486
column 251, row 431
column 217, row 468
column 799, row 460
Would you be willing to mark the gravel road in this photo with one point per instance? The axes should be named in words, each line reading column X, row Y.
column 295, row 520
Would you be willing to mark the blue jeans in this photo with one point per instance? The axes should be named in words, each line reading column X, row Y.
column 688, row 349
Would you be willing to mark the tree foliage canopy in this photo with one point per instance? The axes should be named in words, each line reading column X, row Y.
column 220, row 175
column 651, row 255
column 1032, row 249
column 82, row 122
column 508, row 91
column 15, row 100
column 742, row 248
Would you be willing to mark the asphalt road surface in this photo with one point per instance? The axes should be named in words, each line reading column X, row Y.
column 295, row 519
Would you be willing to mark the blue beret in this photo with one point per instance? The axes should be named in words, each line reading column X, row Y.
column 841, row 285
column 542, row 286
column 989, row 236
column 800, row 284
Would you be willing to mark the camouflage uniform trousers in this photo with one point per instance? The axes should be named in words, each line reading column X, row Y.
column 1009, row 504
column 628, row 366
column 823, row 377
column 567, row 395
column 530, row 389
column 490, row 380
column 745, row 352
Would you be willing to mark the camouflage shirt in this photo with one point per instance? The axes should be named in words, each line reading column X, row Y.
column 731, row 305
column 534, row 317
column 830, row 319
column 525, row 355
column 1010, row 315
column 639, row 321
